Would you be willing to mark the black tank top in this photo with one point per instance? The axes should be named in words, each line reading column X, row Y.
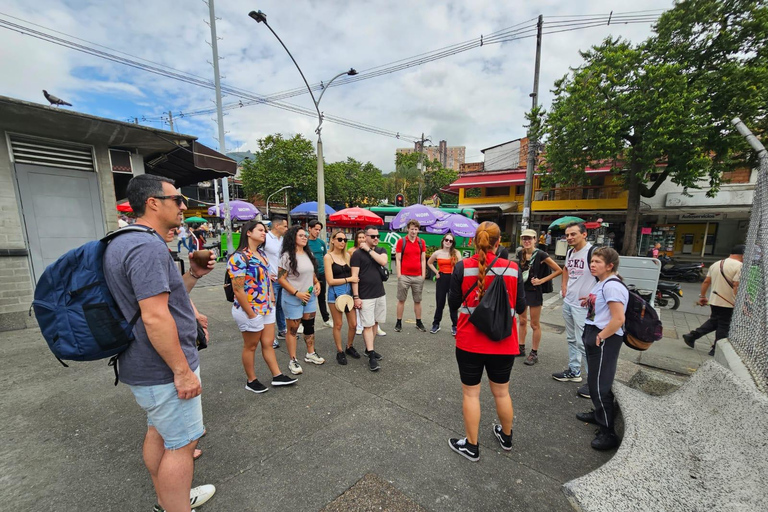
column 341, row 271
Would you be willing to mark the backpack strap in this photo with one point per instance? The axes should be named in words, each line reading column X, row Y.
column 474, row 285
column 722, row 265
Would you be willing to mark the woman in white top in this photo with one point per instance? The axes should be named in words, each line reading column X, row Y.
column 603, row 338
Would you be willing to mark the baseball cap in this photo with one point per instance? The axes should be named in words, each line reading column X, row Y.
column 529, row 232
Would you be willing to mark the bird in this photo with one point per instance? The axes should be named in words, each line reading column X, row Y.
column 53, row 100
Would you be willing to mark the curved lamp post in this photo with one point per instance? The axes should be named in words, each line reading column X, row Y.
column 273, row 193
column 260, row 17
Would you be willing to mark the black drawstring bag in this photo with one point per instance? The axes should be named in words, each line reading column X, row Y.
column 493, row 315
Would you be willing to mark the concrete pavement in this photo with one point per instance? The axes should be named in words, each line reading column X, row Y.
column 342, row 435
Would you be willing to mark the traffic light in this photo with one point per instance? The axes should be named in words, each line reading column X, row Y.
column 400, row 200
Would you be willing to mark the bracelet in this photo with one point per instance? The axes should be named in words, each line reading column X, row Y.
column 702, row 296
column 193, row 274
column 355, row 296
column 296, row 292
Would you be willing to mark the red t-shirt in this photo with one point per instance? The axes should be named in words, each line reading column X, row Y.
column 410, row 261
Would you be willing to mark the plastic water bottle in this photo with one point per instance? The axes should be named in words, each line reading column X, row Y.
column 311, row 289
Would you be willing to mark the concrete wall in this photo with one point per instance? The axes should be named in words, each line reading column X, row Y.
column 506, row 156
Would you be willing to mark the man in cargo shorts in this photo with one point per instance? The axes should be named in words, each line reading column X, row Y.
column 411, row 261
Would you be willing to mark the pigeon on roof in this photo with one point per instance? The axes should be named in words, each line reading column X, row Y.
column 53, row 100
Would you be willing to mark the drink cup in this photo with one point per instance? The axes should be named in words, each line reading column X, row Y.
column 202, row 257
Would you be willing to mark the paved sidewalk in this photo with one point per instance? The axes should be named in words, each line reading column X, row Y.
column 72, row 440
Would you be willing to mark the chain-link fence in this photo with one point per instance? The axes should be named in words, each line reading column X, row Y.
column 749, row 327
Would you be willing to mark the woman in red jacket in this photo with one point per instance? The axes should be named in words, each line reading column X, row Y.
column 474, row 350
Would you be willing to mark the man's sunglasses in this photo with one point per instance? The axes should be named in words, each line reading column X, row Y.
column 178, row 198
column 373, row 236
column 341, row 239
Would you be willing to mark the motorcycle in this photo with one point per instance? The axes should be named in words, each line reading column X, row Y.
column 691, row 272
column 668, row 295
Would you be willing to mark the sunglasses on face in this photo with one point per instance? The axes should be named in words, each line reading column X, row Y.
column 449, row 240
column 178, row 198
column 373, row 236
column 341, row 239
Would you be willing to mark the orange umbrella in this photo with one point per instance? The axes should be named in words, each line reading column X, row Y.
column 355, row 217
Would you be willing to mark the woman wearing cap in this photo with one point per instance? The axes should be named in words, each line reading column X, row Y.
column 446, row 257
column 531, row 262
column 338, row 275
column 475, row 351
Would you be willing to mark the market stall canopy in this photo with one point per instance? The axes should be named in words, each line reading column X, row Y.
column 195, row 220
column 424, row 214
column 124, row 208
column 458, row 225
column 564, row 221
column 309, row 209
column 239, row 210
column 189, row 165
column 489, row 179
column 355, row 217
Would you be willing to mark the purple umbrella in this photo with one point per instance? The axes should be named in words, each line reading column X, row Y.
column 458, row 225
column 424, row 214
column 239, row 210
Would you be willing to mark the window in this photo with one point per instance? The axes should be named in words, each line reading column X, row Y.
column 496, row 191
column 519, row 190
column 473, row 192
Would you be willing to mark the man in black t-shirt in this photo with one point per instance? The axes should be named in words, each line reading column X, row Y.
column 370, row 297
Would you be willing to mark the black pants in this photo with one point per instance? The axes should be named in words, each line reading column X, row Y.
column 441, row 289
column 719, row 322
column 321, row 298
column 601, row 368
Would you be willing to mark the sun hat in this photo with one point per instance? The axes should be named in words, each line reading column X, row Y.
column 345, row 303
column 529, row 232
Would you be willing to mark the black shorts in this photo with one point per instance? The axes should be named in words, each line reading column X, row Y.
column 498, row 367
column 534, row 298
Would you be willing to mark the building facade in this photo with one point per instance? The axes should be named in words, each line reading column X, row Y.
column 449, row 157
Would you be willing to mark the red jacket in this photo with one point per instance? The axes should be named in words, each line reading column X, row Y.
column 468, row 337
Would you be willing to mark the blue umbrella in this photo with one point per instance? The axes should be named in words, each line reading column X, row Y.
column 309, row 209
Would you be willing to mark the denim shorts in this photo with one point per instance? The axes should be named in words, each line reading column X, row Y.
column 339, row 289
column 179, row 422
column 293, row 308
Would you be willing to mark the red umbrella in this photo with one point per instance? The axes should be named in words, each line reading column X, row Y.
column 125, row 208
column 592, row 225
column 355, row 217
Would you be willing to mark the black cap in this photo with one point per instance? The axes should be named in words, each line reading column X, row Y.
column 738, row 249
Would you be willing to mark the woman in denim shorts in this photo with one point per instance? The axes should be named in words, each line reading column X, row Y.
column 338, row 275
column 297, row 274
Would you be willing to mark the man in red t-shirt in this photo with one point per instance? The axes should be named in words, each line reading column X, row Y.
column 411, row 262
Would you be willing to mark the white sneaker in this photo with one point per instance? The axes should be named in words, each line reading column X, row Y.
column 359, row 330
column 201, row 494
column 294, row 367
column 275, row 344
column 314, row 358
column 381, row 332
column 300, row 330
column 329, row 323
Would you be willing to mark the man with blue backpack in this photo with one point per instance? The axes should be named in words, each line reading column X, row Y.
column 161, row 364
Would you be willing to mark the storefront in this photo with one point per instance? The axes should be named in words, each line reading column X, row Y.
column 697, row 234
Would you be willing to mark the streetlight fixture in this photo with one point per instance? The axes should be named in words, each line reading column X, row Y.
column 273, row 193
column 260, row 17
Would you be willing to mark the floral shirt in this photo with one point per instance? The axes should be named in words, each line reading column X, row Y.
column 257, row 283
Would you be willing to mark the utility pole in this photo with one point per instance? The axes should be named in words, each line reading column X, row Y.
column 220, row 121
column 170, row 120
column 421, row 162
column 531, row 142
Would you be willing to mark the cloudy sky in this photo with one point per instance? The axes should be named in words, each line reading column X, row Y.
column 476, row 98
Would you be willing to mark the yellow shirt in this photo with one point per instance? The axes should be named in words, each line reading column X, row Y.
column 724, row 297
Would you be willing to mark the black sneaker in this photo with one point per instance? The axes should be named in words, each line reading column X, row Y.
column 522, row 351
column 420, row 326
column 256, row 386
column 398, row 326
column 453, row 330
column 375, row 354
column 504, row 440
column 463, row 448
column 567, row 376
column 373, row 363
column 711, row 351
column 283, row 380
column 587, row 417
column 435, row 328
column 341, row 358
column 605, row 441
column 688, row 340
column 583, row 391
column 352, row 352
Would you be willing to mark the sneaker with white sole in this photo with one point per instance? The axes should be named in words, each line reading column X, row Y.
column 200, row 495
column 283, row 380
column 463, row 448
column 359, row 330
column 328, row 323
column 281, row 335
column 583, row 391
column 256, row 386
column 300, row 330
column 435, row 328
column 314, row 358
column 275, row 344
column 504, row 440
column 567, row 376
column 381, row 332
column 294, row 367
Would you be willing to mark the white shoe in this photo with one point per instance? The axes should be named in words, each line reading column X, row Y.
column 381, row 333
column 359, row 330
column 329, row 323
column 275, row 344
column 314, row 358
column 300, row 330
column 201, row 494
column 294, row 367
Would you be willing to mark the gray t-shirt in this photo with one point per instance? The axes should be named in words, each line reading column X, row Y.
column 304, row 268
column 138, row 266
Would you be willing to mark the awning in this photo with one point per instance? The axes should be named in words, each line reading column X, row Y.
column 510, row 207
column 187, row 166
column 483, row 179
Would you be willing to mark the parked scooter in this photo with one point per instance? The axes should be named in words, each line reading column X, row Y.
column 668, row 295
column 691, row 272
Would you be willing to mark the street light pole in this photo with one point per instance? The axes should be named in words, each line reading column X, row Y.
column 260, row 17
column 273, row 193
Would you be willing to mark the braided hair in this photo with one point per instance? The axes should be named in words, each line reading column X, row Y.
column 486, row 238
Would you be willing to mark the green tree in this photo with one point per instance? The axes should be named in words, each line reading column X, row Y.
column 280, row 162
column 353, row 183
column 659, row 111
column 406, row 178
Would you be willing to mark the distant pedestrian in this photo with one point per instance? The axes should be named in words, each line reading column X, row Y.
column 533, row 264
column 654, row 251
column 603, row 337
column 542, row 241
column 297, row 275
column 183, row 235
column 338, row 274
column 272, row 247
column 254, row 306
column 446, row 258
column 161, row 365
column 724, row 277
column 474, row 350
column 319, row 249
column 368, row 293
column 411, row 265
column 549, row 239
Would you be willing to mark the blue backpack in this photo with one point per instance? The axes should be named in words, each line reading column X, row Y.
column 76, row 312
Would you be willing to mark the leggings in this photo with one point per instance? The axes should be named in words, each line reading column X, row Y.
column 441, row 291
